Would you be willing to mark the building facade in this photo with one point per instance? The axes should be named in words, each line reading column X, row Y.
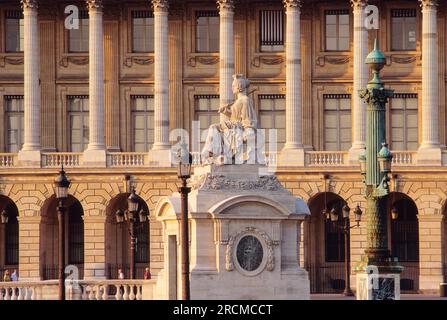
column 101, row 86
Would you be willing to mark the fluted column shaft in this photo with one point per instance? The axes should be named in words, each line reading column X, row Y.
column 360, row 51
column 226, row 52
column 161, row 75
column 430, row 113
column 31, row 77
column 96, row 76
column 293, row 75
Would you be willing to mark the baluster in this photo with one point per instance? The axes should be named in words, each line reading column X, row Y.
column 118, row 295
column 132, row 292
column 126, row 292
column 91, row 295
column 33, row 295
column 139, row 295
column 98, row 292
column 104, row 292
column 84, row 295
column 1, row 294
column 7, row 296
column 20, row 294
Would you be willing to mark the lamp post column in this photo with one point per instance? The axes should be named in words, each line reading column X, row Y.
column 378, row 277
column 61, row 251
column 347, row 232
column 184, row 190
column 132, row 246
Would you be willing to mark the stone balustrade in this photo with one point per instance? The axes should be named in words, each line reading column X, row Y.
column 79, row 290
column 57, row 159
column 141, row 159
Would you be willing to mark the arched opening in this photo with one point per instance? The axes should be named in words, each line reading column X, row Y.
column 325, row 245
column 118, row 240
column 9, row 237
column 404, row 239
column 49, row 238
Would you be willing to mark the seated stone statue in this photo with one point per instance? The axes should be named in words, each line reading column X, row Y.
column 225, row 140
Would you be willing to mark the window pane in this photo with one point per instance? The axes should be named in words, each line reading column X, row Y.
column 14, row 35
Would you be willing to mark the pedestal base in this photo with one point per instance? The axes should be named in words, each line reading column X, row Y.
column 95, row 158
column 353, row 155
column 29, row 158
column 160, row 158
column 373, row 286
column 292, row 157
column 429, row 156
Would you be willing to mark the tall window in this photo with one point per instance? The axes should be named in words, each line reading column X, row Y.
column 78, row 121
column 142, row 31
column 142, row 235
column 207, row 31
column 206, row 110
column 272, row 115
column 405, row 232
column 78, row 38
column 271, row 30
column 334, row 236
column 404, row 121
column 403, row 29
column 75, row 234
column 337, row 30
column 14, row 30
column 142, row 122
column 337, row 122
column 12, row 239
column 14, row 123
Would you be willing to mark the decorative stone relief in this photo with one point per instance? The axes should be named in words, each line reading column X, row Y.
column 403, row 59
column 225, row 4
column 261, row 235
column 142, row 61
column 94, row 4
column 29, row 4
column 268, row 60
column 221, row 182
column 160, row 5
column 332, row 59
column 15, row 61
column 205, row 60
column 79, row 61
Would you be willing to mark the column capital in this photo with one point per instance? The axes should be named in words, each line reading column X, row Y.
column 160, row 5
column 225, row 5
column 358, row 4
column 94, row 4
column 29, row 4
column 292, row 3
column 428, row 3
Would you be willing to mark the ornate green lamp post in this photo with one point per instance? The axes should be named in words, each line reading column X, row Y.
column 378, row 275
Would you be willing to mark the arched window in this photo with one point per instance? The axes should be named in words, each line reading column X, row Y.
column 405, row 232
column 12, row 238
column 334, row 236
column 75, row 234
column 142, row 248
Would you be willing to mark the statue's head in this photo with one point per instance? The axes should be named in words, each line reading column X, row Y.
column 240, row 83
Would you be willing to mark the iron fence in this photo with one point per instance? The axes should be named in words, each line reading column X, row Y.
column 328, row 278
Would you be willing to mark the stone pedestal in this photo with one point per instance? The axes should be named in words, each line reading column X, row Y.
column 244, row 237
column 95, row 158
column 160, row 158
column 372, row 286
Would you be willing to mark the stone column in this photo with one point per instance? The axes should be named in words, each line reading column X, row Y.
column 429, row 150
column 95, row 155
column 293, row 152
column 30, row 152
column 226, row 52
column 360, row 51
column 160, row 153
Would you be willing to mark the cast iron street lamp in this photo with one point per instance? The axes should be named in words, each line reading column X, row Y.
column 346, row 228
column 61, row 185
column 133, row 217
column 184, row 173
column 375, row 165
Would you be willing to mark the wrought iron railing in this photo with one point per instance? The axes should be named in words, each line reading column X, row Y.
column 326, row 278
